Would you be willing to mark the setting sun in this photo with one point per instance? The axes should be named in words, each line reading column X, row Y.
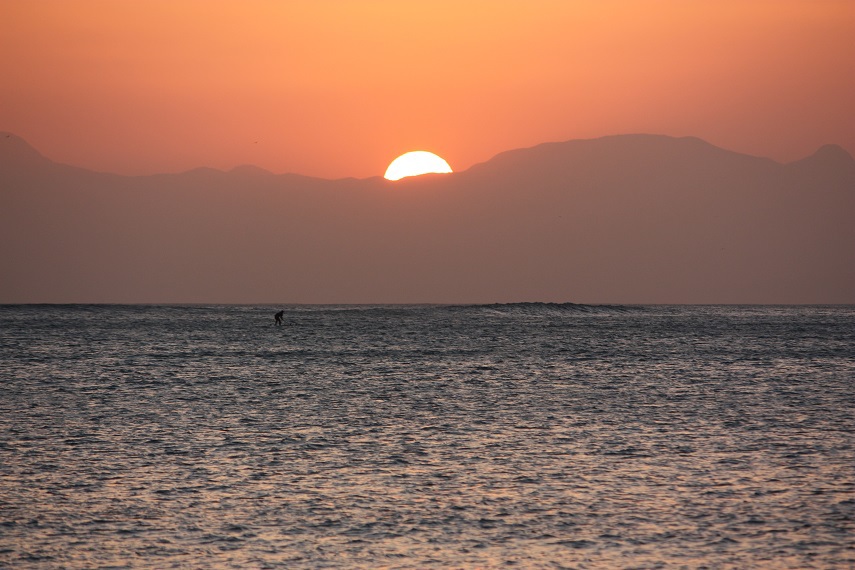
column 415, row 163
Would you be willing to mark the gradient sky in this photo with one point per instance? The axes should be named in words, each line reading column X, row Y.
column 337, row 88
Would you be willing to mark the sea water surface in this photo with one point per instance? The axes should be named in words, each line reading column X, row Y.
column 521, row 436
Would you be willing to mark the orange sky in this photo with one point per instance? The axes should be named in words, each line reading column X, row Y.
column 338, row 88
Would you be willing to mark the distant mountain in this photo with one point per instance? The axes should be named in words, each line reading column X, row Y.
column 623, row 219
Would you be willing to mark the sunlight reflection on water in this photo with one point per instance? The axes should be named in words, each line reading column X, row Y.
column 535, row 435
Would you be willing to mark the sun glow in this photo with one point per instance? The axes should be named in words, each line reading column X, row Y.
column 415, row 163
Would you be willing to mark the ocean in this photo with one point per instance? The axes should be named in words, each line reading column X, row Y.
column 486, row 436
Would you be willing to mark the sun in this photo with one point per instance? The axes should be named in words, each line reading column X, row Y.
column 415, row 163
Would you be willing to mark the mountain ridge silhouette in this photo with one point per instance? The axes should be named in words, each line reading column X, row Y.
column 16, row 148
column 621, row 219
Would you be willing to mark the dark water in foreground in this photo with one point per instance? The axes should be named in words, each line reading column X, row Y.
column 415, row 437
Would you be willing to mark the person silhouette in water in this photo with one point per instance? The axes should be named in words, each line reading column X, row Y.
column 278, row 317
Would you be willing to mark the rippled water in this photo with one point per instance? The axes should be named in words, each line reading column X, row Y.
column 555, row 436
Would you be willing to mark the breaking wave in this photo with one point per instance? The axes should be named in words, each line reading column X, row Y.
column 553, row 309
